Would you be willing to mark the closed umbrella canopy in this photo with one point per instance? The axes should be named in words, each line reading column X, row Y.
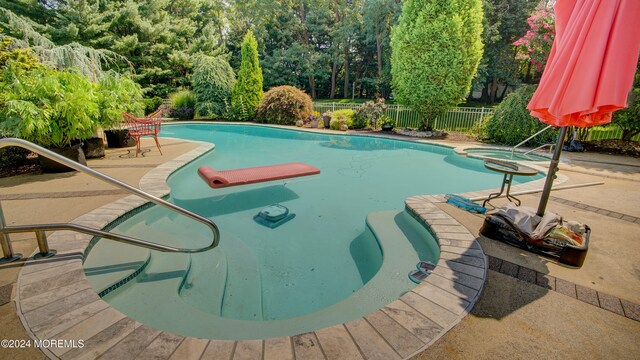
column 591, row 64
column 590, row 68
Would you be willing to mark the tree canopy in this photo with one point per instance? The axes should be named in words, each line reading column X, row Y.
column 328, row 48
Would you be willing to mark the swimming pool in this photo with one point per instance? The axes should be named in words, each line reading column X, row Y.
column 328, row 265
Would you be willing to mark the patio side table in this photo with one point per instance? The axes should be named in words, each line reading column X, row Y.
column 508, row 169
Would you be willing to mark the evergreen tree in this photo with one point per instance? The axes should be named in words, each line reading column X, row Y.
column 212, row 81
column 436, row 48
column 247, row 92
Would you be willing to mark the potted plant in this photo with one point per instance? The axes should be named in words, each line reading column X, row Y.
column 55, row 109
column 326, row 118
column 117, row 94
column 314, row 119
column 386, row 122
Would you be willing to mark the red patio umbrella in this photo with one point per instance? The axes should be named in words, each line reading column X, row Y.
column 590, row 68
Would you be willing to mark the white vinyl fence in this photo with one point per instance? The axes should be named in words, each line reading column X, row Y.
column 461, row 119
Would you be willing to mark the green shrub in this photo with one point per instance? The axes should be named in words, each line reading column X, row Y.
column 346, row 116
column 182, row 98
column 115, row 94
column 151, row 105
column 369, row 113
column 213, row 80
column 284, row 105
column 337, row 123
column 183, row 104
column 511, row 123
column 48, row 107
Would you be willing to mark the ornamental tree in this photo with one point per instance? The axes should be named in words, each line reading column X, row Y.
column 247, row 92
column 535, row 45
column 436, row 49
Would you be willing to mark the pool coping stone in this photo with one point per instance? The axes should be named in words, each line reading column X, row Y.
column 400, row 329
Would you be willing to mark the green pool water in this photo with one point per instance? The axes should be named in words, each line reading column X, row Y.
column 346, row 253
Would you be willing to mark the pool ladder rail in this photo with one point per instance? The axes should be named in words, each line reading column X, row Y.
column 39, row 229
column 513, row 149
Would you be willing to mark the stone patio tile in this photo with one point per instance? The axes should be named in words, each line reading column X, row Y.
column 337, row 344
column 509, row 268
column 587, row 295
column 611, row 303
column 443, row 221
column 456, row 236
column 101, row 342
column 463, row 268
column 566, row 288
column 190, row 348
column 278, row 349
column 5, row 293
column 132, row 345
column 420, row 326
column 494, row 263
column 52, row 310
column 459, row 277
column 449, row 229
column 369, row 341
column 248, row 350
column 68, row 320
column 92, row 326
column 546, row 281
column 452, row 287
column 616, row 215
column 402, row 341
column 631, row 310
column 51, row 272
column 434, row 216
column 161, row 347
column 468, row 260
column 466, row 244
column 45, row 298
column 462, row 251
column 306, row 346
column 219, row 350
column 527, row 275
column 443, row 298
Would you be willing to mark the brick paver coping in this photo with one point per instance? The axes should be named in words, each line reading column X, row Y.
column 55, row 301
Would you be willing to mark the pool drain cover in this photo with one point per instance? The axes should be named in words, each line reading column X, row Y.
column 273, row 216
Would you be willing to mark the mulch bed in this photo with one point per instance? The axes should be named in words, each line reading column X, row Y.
column 614, row 147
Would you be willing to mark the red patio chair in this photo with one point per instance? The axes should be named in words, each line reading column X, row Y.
column 148, row 126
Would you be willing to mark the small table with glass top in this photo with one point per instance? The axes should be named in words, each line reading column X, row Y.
column 508, row 169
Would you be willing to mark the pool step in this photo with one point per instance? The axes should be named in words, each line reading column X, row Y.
column 243, row 290
column 206, row 282
column 106, row 272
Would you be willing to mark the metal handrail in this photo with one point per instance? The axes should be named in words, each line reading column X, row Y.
column 529, row 138
column 40, row 228
column 540, row 147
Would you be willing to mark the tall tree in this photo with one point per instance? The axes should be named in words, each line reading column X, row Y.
column 505, row 21
column 436, row 48
column 378, row 18
column 247, row 91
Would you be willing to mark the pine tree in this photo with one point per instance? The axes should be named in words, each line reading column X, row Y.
column 247, row 92
column 436, row 49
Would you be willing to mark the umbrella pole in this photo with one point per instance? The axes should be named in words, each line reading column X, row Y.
column 551, row 174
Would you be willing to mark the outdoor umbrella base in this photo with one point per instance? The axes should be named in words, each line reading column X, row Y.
column 496, row 228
